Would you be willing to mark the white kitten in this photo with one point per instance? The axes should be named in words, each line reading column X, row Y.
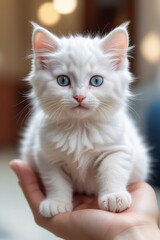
column 80, row 137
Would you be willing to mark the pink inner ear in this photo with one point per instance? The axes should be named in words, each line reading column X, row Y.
column 117, row 44
column 122, row 41
column 117, row 40
column 43, row 43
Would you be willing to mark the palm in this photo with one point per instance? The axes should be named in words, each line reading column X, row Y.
column 86, row 219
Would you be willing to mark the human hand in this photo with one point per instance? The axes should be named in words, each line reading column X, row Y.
column 87, row 222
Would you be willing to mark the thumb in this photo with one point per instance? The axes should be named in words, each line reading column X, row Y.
column 29, row 183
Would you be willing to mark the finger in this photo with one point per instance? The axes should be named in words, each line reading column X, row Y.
column 29, row 184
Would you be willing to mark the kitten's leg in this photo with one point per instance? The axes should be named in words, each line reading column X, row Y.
column 113, row 175
column 58, row 193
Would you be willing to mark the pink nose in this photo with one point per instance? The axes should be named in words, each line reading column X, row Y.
column 79, row 98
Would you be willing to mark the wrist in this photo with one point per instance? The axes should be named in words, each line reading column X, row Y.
column 144, row 232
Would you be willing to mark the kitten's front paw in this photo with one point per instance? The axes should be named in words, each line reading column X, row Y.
column 115, row 202
column 50, row 208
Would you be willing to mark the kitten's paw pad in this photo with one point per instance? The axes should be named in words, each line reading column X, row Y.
column 115, row 202
column 50, row 208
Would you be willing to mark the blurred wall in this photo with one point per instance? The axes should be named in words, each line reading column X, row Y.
column 15, row 39
column 10, row 37
column 147, row 21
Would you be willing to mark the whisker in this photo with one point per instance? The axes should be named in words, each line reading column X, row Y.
column 21, row 117
column 134, row 112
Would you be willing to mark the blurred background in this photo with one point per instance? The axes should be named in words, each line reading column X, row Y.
column 70, row 17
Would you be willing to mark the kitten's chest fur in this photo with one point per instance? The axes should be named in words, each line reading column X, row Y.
column 77, row 146
column 77, row 138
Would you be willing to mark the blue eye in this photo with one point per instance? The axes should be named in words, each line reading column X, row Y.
column 63, row 80
column 96, row 81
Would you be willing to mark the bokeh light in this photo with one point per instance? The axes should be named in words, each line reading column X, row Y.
column 150, row 47
column 47, row 14
column 65, row 6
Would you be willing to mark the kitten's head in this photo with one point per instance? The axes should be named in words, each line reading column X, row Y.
column 80, row 77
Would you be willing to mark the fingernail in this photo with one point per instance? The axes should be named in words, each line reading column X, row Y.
column 15, row 168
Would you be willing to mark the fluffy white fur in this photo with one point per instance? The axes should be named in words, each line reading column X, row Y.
column 91, row 146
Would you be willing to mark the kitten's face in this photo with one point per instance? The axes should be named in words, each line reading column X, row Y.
column 77, row 79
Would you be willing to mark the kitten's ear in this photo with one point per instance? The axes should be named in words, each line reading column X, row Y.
column 116, row 44
column 43, row 43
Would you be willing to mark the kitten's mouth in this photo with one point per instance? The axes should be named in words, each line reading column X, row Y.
column 80, row 107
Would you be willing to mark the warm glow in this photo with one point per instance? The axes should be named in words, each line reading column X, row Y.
column 65, row 6
column 150, row 47
column 47, row 14
column 1, row 59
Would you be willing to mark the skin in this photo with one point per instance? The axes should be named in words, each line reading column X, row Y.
column 87, row 222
